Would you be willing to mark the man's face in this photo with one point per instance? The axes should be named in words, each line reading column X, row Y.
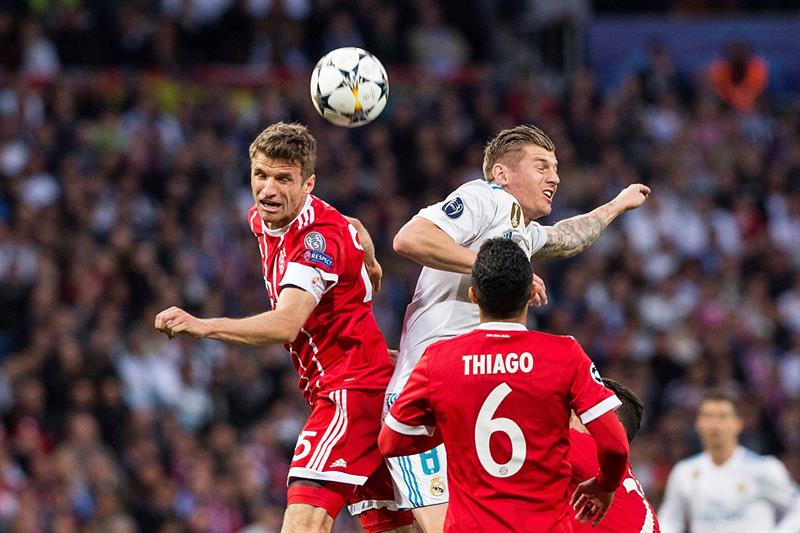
column 278, row 189
column 718, row 424
column 532, row 181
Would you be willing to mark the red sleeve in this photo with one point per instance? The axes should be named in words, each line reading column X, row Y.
column 612, row 449
column 411, row 418
column 582, row 455
column 316, row 259
column 589, row 398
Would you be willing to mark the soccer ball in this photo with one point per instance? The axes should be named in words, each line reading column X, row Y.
column 349, row 87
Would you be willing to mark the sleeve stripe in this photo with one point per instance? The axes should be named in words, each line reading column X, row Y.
column 609, row 404
column 405, row 429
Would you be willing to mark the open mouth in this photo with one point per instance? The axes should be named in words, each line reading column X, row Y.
column 269, row 206
column 549, row 194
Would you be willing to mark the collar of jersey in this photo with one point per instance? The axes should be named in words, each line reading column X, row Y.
column 280, row 232
column 505, row 326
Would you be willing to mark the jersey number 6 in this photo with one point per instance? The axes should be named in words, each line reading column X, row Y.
column 485, row 425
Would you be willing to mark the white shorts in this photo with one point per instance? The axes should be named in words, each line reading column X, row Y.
column 419, row 480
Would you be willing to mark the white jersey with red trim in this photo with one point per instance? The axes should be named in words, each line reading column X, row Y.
column 340, row 346
column 440, row 308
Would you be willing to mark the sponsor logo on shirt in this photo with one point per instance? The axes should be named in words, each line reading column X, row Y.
column 282, row 261
column 516, row 215
column 338, row 463
column 508, row 234
column 454, row 208
column 315, row 241
column 313, row 256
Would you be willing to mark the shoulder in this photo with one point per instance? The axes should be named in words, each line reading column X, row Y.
column 254, row 221
column 689, row 466
column 765, row 464
column 321, row 218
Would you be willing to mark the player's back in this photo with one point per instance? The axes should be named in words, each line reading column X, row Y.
column 501, row 396
column 340, row 346
column 630, row 512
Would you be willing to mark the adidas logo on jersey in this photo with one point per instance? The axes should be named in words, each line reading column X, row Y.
column 338, row 463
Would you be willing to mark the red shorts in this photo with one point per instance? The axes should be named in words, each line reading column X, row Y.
column 339, row 442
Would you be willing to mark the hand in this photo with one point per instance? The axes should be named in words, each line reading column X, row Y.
column 175, row 320
column 539, row 292
column 632, row 196
column 591, row 501
column 375, row 273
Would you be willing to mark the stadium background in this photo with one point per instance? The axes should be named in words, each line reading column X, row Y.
column 124, row 129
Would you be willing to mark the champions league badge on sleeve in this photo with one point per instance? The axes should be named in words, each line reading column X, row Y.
column 315, row 241
column 454, row 208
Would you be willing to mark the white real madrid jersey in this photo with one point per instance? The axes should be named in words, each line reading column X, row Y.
column 473, row 213
column 749, row 493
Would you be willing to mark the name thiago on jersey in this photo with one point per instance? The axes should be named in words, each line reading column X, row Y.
column 487, row 363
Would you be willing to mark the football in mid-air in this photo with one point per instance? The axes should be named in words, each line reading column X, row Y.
column 349, row 87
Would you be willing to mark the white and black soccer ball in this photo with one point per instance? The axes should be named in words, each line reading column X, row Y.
column 349, row 87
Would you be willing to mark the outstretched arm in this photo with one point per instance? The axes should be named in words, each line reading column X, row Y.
column 573, row 235
column 280, row 326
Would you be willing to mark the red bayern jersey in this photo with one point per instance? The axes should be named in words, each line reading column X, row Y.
column 501, row 397
column 340, row 346
column 630, row 512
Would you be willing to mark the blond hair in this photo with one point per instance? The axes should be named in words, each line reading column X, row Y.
column 287, row 142
column 509, row 143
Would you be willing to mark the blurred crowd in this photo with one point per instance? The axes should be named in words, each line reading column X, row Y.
column 123, row 195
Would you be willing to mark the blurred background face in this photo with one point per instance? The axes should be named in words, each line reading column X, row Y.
column 718, row 424
column 278, row 189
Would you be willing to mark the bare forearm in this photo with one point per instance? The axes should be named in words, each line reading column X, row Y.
column 425, row 243
column 258, row 330
column 573, row 235
column 440, row 254
column 365, row 238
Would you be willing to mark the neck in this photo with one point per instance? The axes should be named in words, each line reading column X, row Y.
column 521, row 318
column 721, row 454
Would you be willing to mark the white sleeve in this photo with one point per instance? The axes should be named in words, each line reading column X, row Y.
column 463, row 215
column 312, row 280
column 782, row 492
column 672, row 515
column 538, row 236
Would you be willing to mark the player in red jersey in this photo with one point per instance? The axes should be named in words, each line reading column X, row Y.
column 499, row 398
column 630, row 512
column 313, row 265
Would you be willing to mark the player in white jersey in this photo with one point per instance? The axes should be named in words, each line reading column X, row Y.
column 520, row 181
column 728, row 488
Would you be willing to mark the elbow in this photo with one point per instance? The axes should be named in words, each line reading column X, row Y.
column 404, row 243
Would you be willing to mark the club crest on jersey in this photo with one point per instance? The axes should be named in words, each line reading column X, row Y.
column 595, row 374
column 315, row 241
column 313, row 256
column 437, row 486
column 454, row 208
column 516, row 215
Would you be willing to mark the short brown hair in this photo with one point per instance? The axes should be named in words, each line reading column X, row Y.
column 287, row 142
column 630, row 412
column 720, row 394
column 510, row 141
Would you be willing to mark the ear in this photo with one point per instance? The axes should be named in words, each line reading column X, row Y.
column 308, row 186
column 472, row 296
column 499, row 174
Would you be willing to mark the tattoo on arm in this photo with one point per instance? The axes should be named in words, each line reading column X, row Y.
column 571, row 236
